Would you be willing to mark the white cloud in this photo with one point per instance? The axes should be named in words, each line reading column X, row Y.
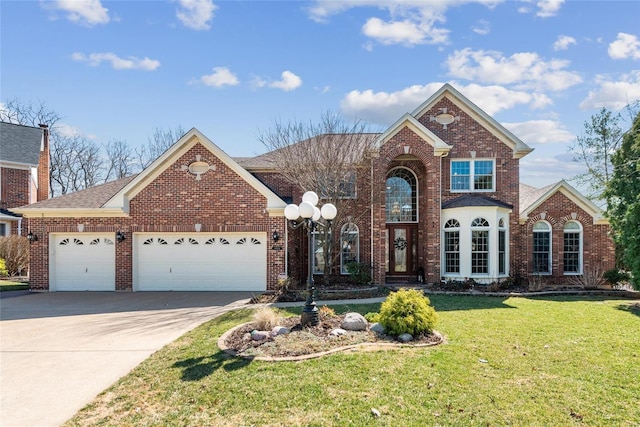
column 626, row 46
column 526, row 70
column 613, row 94
column 220, row 77
column 83, row 12
column 288, row 82
column 540, row 170
column 548, row 8
column 409, row 22
column 483, row 27
column 196, row 14
column 117, row 63
column 386, row 107
column 540, row 132
column 563, row 42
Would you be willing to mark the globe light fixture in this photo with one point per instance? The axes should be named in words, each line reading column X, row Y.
column 308, row 215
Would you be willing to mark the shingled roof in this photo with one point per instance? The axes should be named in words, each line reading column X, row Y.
column 90, row 198
column 20, row 144
column 472, row 200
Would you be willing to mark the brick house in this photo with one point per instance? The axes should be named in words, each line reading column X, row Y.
column 24, row 172
column 441, row 197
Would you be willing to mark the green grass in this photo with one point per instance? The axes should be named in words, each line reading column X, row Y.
column 507, row 361
column 9, row 285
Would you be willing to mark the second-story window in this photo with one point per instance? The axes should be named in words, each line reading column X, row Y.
column 472, row 175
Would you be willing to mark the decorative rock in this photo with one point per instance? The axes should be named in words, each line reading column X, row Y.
column 354, row 322
column 280, row 330
column 405, row 337
column 259, row 335
column 377, row 328
column 337, row 332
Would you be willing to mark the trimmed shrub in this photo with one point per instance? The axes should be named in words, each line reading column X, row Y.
column 372, row 317
column 407, row 311
column 360, row 273
column 616, row 277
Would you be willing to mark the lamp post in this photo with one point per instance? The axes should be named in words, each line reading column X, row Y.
column 307, row 215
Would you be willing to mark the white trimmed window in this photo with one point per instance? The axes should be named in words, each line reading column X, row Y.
column 349, row 246
column 502, row 247
column 473, row 175
column 480, row 246
column 452, row 246
column 572, row 248
column 542, row 248
column 318, row 252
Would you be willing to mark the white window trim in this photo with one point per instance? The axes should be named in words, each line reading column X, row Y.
column 549, row 271
column 472, row 176
column 417, row 196
column 488, row 229
column 356, row 231
column 581, row 251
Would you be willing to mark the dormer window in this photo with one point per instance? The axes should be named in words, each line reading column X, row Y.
column 472, row 175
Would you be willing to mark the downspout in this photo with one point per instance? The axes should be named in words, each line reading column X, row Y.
column 19, row 227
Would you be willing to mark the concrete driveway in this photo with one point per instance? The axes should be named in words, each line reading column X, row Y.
column 59, row 350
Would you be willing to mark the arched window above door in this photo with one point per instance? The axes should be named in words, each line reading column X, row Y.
column 401, row 196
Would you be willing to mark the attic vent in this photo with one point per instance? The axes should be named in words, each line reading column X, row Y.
column 444, row 118
column 198, row 167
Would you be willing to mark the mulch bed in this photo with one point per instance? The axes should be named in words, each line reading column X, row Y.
column 316, row 340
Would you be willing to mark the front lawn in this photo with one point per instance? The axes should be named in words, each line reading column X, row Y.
column 507, row 361
column 10, row 285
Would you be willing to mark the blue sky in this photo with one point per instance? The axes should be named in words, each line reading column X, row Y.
column 118, row 69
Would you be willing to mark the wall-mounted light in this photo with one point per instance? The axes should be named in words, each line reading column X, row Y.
column 275, row 236
column 32, row 237
column 119, row 236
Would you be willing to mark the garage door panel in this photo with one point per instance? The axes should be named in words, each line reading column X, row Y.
column 83, row 262
column 201, row 261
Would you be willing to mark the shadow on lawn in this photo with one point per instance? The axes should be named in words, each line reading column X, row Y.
column 633, row 308
column 197, row 368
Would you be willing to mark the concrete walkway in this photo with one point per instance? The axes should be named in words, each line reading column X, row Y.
column 60, row 350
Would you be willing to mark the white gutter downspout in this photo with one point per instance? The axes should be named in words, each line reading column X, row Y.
column 19, row 226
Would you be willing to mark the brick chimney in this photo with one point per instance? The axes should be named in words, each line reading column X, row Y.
column 43, row 166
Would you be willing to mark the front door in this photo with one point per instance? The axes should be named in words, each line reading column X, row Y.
column 402, row 249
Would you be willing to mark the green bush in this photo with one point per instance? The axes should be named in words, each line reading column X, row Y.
column 615, row 276
column 360, row 272
column 372, row 317
column 407, row 311
column 3, row 268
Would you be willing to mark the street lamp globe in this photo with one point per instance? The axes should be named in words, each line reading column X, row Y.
column 311, row 197
column 291, row 212
column 329, row 211
column 306, row 210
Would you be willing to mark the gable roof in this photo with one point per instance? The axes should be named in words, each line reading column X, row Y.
column 520, row 149
column 20, row 144
column 531, row 198
column 275, row 204
column 440, row 148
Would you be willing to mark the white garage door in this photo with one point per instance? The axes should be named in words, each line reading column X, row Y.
column 200, row 262
column 83, row 262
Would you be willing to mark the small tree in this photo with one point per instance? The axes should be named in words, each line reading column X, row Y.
column 14, row 250
column 326, row 158
column 623, row 192
column 595, row 148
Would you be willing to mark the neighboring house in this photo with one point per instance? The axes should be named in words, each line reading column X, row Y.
column 442, row 196
column 24, row 172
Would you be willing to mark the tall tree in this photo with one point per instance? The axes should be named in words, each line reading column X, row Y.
column 623, row 192
column 76, row 163
column 594, row 149
column 120, row 161
column 326, row 157
column 157, row 143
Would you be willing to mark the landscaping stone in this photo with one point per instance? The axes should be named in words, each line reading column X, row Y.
column 259, row 335
column 405, row 337
column 280, row 330
column 354, row 322
column 377, row 328
column 337, row 332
